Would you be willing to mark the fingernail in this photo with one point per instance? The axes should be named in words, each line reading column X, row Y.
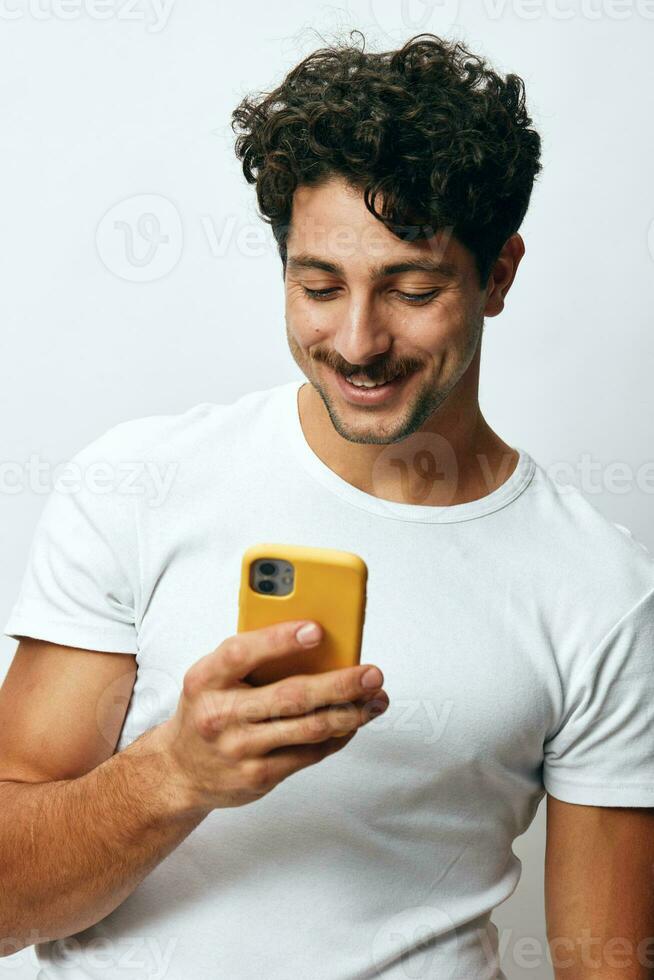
column 372, row 678
column 376, row 708
column 308, row 635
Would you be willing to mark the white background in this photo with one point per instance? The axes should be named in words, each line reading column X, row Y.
column 104, row 106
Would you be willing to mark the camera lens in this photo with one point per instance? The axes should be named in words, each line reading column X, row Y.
column 267, row 568
column 266, row 585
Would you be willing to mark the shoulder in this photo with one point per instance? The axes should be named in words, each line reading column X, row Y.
column 570, row 513
column 179, row 435
column 166, row 458
column 591, row 561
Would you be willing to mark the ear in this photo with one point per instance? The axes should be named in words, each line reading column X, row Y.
column 503, row 273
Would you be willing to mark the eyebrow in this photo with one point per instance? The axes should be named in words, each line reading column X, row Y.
column 306, row 261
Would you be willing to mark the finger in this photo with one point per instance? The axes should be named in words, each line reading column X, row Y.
column 255, row 740
column 298, row 756
column 244, row 705
column 302, row 693
column 241, row 653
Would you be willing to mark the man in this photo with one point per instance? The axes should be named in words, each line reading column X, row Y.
column 513, row 624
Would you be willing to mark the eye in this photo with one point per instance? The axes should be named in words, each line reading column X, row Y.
column 318, row 293
column 414, row 298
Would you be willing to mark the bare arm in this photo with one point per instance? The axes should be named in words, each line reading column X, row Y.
column 73, row 849
column 599, row 891
column 80, row 826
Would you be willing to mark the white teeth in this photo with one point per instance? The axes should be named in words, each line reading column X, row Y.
column 365, row 383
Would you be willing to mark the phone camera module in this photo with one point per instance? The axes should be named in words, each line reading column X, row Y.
column 272, row 576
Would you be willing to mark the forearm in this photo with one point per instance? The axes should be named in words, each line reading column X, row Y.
column 72, row 850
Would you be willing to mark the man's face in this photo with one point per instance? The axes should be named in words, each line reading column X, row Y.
column 372, row 322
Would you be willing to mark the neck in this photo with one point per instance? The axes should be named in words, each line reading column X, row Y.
column 454, row 458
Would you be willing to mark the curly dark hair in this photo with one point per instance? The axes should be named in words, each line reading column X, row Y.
column 430, row 128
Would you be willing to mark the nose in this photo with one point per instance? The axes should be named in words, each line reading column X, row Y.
column 362, row 335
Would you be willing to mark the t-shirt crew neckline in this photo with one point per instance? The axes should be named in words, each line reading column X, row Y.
column 393, row 509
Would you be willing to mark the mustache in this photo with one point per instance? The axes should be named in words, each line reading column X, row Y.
column 379, row 371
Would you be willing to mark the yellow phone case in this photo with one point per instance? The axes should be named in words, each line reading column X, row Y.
column 329, row 587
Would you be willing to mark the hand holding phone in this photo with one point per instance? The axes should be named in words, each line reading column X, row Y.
column 229, row 743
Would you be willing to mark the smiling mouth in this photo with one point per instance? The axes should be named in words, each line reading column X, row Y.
column 359, row 379
column 367, row 392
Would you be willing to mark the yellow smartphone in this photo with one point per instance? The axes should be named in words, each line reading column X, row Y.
column 282, row 582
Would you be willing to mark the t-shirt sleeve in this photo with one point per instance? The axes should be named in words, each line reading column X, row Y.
column 79, row 587
column 602, row 752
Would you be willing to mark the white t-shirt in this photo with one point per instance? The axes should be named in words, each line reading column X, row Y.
column 516, row 637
